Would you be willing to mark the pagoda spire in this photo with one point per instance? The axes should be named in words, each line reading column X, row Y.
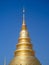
column 24, row 53
column 24, row 46
column 24, row 32
column 23, row 16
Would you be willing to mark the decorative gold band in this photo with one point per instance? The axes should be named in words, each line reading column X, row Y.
column 26, row 44
column 25, row 53
column 24, row 27
column 26, row 39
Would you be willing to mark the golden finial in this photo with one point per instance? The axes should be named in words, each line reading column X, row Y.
column 23, row 16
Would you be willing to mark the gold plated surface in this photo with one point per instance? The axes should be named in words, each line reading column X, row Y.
column 24, row 54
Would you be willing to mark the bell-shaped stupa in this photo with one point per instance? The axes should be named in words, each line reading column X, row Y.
column 24, row 54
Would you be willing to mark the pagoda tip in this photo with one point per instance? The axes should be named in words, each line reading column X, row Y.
column 23, row 16
column 23, row 10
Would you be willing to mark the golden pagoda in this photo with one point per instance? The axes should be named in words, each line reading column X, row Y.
column 24, row 54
